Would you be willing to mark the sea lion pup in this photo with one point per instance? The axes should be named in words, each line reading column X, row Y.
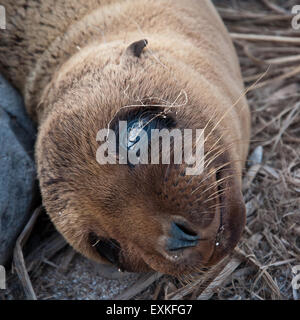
column 84, row 65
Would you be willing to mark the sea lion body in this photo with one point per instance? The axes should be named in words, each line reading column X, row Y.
column 70, row 60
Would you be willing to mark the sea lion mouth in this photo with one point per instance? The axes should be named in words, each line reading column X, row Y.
column 232, row 214
column 222, row 209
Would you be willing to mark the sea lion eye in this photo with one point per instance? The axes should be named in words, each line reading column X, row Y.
column 133, row 130
column 139, row 126
column 136, row 131
column 108, row 249
column 136, row 134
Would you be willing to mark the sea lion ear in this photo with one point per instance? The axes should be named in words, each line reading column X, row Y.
column 137, row 47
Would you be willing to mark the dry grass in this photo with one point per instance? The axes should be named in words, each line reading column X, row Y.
column 261, row 267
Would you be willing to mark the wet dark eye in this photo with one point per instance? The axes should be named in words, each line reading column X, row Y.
column 108, row 249
column 137, row 130
column 139, row 123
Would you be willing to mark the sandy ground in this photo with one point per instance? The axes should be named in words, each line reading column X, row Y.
column 81, row 281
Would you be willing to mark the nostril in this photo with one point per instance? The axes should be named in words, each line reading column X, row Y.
column 176, row 244
column 186, row 230
column 182, row 232
column 181, row 237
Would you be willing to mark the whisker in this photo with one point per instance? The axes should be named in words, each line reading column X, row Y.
column 216, row 195
column 239, row 98
column 218, row 153
column 209, row 175
column 225, row 147
column 217, row 206
column 216, row 183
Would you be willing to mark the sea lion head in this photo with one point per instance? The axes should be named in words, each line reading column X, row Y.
column 137, row 216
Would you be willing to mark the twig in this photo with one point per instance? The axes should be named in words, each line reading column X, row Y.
column 219, row 280
column 284, row 76
column 47, row 249
column 283, row 60
column 286, row 123
column 231, row 14
column 202, row 281
column 267, row 277
column 18, row 257
column 69, row 255
column 140, row 285
column 274, row 7
column 259, row 37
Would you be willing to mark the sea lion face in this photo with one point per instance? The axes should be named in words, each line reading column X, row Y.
column 136, row 216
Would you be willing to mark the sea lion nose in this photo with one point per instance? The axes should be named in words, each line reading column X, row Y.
column 181, row 237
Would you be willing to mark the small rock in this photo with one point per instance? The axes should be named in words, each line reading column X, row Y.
column 12, row 103
column 17, row 169
column 256, row 156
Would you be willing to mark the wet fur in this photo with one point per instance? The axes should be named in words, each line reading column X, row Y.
column 70, row 60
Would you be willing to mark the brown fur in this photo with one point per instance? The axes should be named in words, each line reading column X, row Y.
column 69, row 60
